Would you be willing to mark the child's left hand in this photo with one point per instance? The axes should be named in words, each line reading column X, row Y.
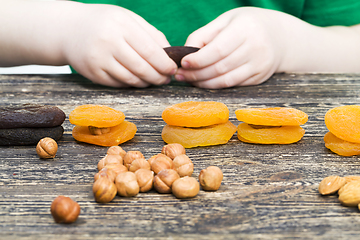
column 244, row 46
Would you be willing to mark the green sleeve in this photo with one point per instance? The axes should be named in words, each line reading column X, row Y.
column 176, row 19
column 331, row 12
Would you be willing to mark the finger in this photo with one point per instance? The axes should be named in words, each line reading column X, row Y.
column 158, row 36
column 257, row 79
column 230, row 79
column 120, row 74
column 237, row 58
column 138, row 66
column 101, row 77
column 147, row 48
column 204, row 35
column 220, row 47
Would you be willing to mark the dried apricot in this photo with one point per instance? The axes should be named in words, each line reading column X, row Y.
column 269, row 135
column 196, row 114
column 117, row 135
column 341, row 147
column 194, row 137
column 96, row 115
column 344, row 122
column 277, row 116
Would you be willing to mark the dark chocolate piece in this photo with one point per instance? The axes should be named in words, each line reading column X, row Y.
column 178, row 52
column 28, row 136
column 30, row 116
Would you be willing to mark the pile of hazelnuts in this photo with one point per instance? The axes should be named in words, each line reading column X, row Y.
column 128, row 173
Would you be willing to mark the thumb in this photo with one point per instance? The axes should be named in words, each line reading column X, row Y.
column 205, row 34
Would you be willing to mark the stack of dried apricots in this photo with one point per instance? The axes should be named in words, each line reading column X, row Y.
column 101, row 125
column 197, row 123
column 343, row 123
column 278, row 125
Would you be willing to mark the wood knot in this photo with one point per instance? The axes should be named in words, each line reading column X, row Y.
column 285, row 176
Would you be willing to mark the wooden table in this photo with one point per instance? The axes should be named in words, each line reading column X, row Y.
column 268, row 191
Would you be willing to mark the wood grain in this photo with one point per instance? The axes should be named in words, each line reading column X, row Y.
column 268, row 191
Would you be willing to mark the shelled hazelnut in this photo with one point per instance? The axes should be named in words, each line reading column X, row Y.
column 145, row 179
column 126, row 184
column 64, row 210
column 152, row 158
column 46, row 148
column 109, row 159
column 185, row 187
column 104, row 190
column 164, row 180
column 116, row 168
column 210, row 178
column 161, row 162
column 173, row 149
column 130, row 156
column 139, row 163
column 183, row 165
column 111, row 175
column 116, row 150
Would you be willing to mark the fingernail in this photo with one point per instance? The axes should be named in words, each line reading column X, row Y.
column 185, row 64
column 179, row 77
column 168, row 80
column 173, row 71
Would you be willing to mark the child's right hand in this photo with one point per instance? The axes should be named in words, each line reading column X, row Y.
column 113, row 46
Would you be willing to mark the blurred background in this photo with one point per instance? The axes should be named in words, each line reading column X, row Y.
column 34, row 69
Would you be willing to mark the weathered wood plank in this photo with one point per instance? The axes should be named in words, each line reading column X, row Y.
column 268, row 191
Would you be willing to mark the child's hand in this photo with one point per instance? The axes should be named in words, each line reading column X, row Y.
column 113, row 46
column 244, row 46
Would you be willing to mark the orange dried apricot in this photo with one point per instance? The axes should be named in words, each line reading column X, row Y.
column 277, row 116
column 96, row 115
column 341, row 147
column 269, row 135
column 196, row 114
column 194, row 137
column 344, row 122
column 117, row 135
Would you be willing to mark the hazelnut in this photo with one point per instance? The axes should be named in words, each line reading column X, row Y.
column 150, row 160
column 183, row 165
column 105, row 172
column 164, row 180
column 126, row 184
column 116, row 168
column 104, row 190
column 185, row 187
column 161, row 162
column 173, row 149
column 98, row 131
column 109, row 159
column 46, row 148
column 64, row 210
column 131, row 156
column 116, row 150
column 145, row 179
column 138, row 164
column 210, row 178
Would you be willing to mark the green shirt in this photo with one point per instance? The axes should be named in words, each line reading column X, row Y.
column 178, row 18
